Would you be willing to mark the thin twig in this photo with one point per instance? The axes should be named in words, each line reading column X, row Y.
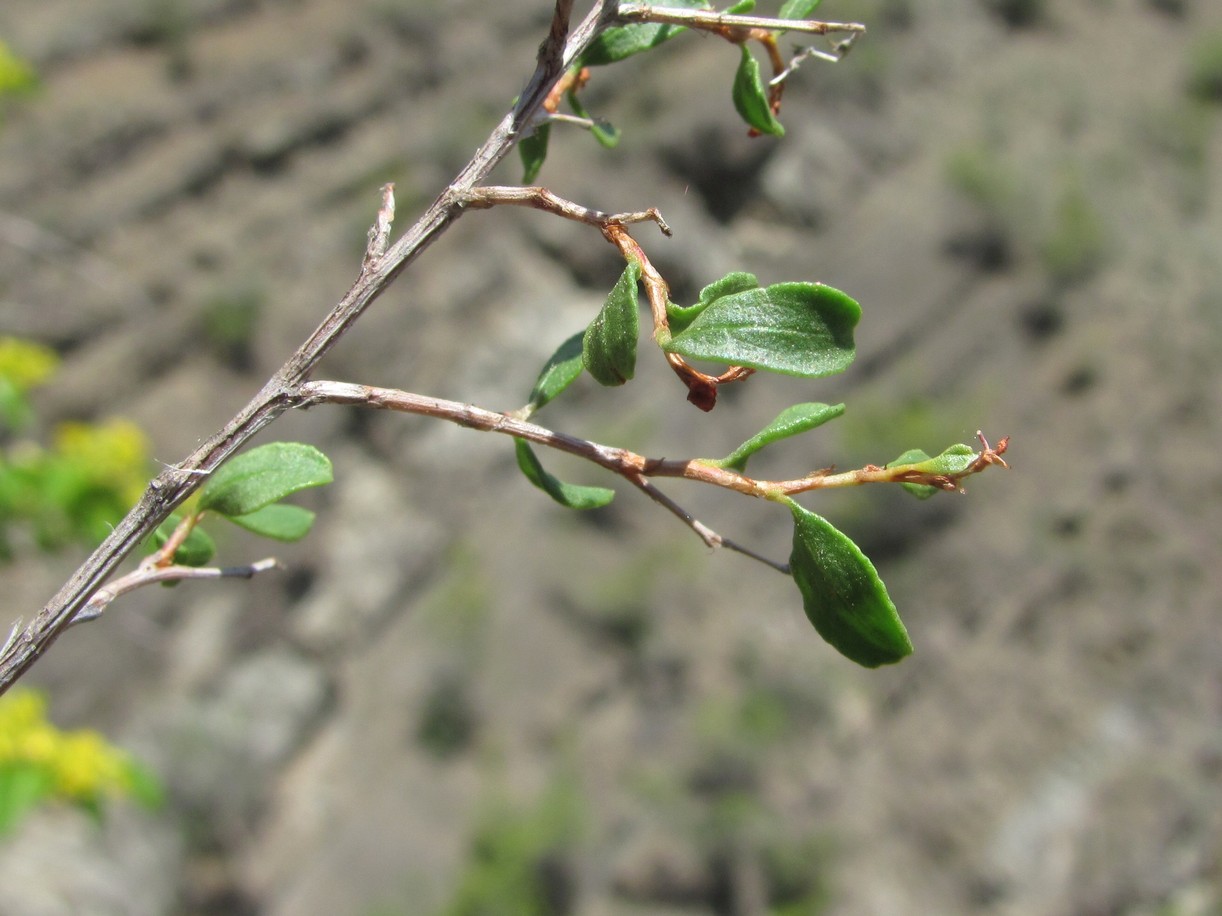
column 627, row 463
column 150, row 575
column 537, row 198
column 174, row 485
column 722, row 22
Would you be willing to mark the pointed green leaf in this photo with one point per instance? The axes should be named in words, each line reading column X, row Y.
column 955, row 460
column 843, row 595
column 533, row 150
column 803, row 329
column 790, row 422
column 741, row 7
column 262, row 476
column 620, row 42
column 560, row 371
column 798, row 9
column 197, row 550
column 567, row 494
column 606, row 134
column 609, row 345
column 751, row 99
column 279, row 521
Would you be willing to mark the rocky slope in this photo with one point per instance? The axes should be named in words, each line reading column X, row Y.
column 1024, row 200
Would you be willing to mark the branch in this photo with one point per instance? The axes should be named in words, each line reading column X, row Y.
column 626, row 463
column 724, row 23
column 175, row 484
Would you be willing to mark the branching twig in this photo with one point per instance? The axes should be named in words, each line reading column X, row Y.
column 174, row 485
column 626, row 463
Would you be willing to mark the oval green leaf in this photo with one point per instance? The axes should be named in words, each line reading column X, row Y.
column 751, row 99
column 803, row 329
column 279, row 521
column 620, row 42
column 533, row 150
column 608, row 349
column 567, row 494
column 561, row 370
column 197, row 550
column 842, row 594
column 262, row 476
column 790, row 422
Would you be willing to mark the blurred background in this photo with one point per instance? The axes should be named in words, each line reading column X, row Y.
column 462, row 699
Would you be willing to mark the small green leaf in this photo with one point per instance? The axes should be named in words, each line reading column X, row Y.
column 196, row 550
column 560, row 371
column 626, row 40
column 798, row 9
column 803, row 329
column 843, row 596
column 955, row 460
column 262, row 476
column 741, row 7
column 606, row 134
column 533, row 150
column 609, row 345
column 751, row 99
column 567, row 494
column 278, row 521
column 792, row 420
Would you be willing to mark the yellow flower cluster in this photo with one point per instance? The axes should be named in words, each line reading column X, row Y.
column 24, row 364
column 81, row 766
column 115, row 453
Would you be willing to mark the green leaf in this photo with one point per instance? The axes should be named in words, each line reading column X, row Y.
column 751, row 99
column 955, row 460
column 262, row 476
column 533, row 150
column 623, row 41
column 843, row 595
column 790, row 422
column 609, row 345
column 196, row 550
column 22, row 786
column 561, row 370
column 803, row 329
column 798, row 9
column 567, row 494
column 679, row 317
column 741, row 7
column 606, row 134
column 278, row 521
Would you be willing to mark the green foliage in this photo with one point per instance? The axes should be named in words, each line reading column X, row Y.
column 561, row 370
column 803, row 329
column 263, row 476
column 518, row 859
column 608, row 349
column 623, row 42
column 569, row 495
column 197, row 550
column 843, row 596
column 751, row 99
column 17, row 76
column 533, row 150
column 41, row 764
column 1204, row 80
column 798, row 9
column 790, row 422
column 1076, row 244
